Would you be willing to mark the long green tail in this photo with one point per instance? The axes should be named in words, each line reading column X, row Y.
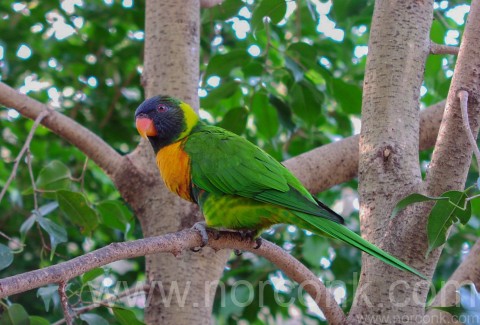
column 341, row 232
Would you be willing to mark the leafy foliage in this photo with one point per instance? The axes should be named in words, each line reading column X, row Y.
column 285, row 74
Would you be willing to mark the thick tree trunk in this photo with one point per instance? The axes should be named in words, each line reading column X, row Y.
column 172, row 67
column 389, row 162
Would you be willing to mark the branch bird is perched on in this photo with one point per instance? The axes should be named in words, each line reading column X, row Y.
column 237, row 185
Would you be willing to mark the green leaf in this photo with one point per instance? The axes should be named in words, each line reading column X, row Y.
column 253, row 69
column 225, row 11
column 443, row 215
column 6, row 257
column 305, row 53
column 126, row 317
column 92, row 274
column 48, row 294
column 57, row 233
column 235, row 120
column 36, row 320
column 77, row 210
column 296, row 70
column 349, row 96
column 224, row 90
column 275, row 9
column 469, row 310
column 53, row 177
column 14, row 315
column 266, row 116
column 47, row 208
column 437, row 32
column 26, row 226
column 284, row 112
column 42, row 211
column 92, row 319
column 222, row 64
column 115, row 214
column 343, row 10
column 306, row 102
column 413, row 198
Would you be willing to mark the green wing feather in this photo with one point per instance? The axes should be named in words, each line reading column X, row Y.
column 233, row 165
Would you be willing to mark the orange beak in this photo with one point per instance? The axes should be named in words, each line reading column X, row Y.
column 145, row 127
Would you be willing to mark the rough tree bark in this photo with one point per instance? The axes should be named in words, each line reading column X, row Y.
column 389, row 161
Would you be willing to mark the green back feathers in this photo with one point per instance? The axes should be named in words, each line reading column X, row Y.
column 223, row 162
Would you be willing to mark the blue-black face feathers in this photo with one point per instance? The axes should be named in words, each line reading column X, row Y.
column 167, row 118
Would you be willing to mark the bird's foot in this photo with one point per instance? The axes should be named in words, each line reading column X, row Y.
column 249, row 235
column 237, row 252
column 258, row 243
column 201, row 228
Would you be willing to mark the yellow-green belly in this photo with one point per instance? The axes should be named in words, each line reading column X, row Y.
column 235, row 212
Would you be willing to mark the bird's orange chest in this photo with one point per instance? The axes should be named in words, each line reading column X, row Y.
column 174, row 165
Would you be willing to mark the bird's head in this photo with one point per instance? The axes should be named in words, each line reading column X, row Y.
column 164, row 120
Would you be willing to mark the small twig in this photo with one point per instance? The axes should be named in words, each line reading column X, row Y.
column 471, row 198
column 463, row 97
column 32, row 179
column 106, row 302
column 4, row 235
column 269, row 44
column 64, row 302
column 81, row 178
column 26, row 145
column 443, row 49
column 442, row 19
column 44, row 243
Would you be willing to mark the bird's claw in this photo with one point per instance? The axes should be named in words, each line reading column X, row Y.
column 237, row 252
column 216, row 233
column 201, row 228
column 258, row 243
column 247, row 234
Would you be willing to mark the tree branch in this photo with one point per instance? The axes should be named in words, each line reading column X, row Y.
column 463, row 97
column 176, row 243
column 88, row 142
column 337, row 162
column 62, row 286
column 443, row 49
column 452, row 155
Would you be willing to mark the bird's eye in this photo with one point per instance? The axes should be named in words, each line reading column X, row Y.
column 162, row 108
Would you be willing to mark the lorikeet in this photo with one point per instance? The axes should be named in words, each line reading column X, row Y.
column 237, row 185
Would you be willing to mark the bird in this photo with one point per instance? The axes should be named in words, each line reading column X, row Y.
column 237, row 185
